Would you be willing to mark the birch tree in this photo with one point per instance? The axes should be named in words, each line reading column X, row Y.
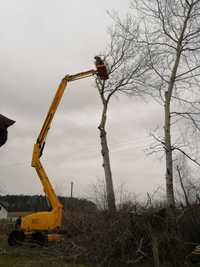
column 170, row 31
column 126, row 64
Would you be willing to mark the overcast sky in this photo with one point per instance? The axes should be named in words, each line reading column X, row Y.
column 40, row 42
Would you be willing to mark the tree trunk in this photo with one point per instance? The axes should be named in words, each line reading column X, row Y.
column 107, row 171
column 167, row 128
column 168, row 154
column 106, row 162
column 183, row 188
column 155, row 250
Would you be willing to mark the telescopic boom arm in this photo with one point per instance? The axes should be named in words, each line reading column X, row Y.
column 51, row 220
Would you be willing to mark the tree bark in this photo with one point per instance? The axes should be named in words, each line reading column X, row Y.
column 168, row 154
column 106, row 161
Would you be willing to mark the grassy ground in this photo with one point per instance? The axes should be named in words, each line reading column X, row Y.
column 29, row 257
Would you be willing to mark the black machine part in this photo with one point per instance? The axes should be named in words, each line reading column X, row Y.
column 4, row 124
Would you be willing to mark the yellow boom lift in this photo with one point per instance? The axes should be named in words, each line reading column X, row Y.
column 40, row 227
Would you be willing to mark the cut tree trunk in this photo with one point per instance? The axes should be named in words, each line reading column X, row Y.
column 106, row 160
column 107, row 171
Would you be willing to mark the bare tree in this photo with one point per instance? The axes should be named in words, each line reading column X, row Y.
column 126, row 64
column 98, row 194
column 187, row 182
column 170, row 31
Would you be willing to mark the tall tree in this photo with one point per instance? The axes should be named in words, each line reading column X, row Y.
column 126, row 64
column 170, row 31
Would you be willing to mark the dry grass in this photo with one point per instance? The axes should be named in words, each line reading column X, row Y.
column 30, row 257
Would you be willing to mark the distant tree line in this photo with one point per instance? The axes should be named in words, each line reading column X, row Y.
column 40, row 203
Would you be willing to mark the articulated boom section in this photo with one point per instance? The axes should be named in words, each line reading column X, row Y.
column 46, row 220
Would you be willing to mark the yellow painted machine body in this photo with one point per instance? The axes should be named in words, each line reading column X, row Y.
column 42, row 221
